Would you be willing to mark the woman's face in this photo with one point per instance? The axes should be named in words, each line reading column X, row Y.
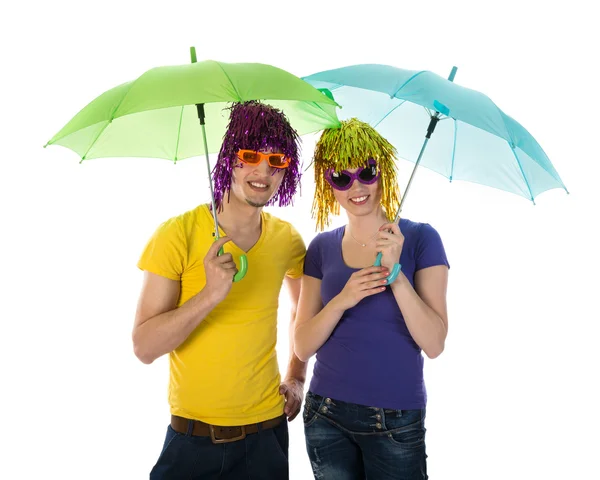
column 360, row 199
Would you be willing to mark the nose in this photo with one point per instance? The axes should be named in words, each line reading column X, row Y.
column 263, row 168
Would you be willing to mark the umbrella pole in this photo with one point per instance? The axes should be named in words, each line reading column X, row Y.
column 201, row 116
column 435, row 118
column 397, row 267
column 411, row 177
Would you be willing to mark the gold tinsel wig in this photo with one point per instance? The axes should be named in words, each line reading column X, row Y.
column 347, row 147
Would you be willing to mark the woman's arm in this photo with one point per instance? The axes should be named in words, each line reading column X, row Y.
column 424, row 307
column 315, row 323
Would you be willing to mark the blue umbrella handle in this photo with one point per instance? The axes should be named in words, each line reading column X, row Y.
column 391, row 278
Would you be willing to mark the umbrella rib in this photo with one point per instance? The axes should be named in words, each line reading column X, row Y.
column 179, row 133
column 402, row 102
column 453, row 150
column 409, row 80
column 112, row 117
column 522, row 171
column 230, row 82
column 95, row 140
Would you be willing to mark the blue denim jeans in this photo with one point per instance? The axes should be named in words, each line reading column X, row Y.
column 346, row 441
column 259, row 456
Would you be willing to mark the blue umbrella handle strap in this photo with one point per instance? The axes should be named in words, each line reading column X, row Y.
column 391, row 278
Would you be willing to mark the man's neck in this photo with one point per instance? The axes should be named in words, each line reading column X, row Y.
column 237, row 216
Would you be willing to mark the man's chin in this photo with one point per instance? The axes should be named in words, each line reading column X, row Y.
column 256, row 204
column 258, row 200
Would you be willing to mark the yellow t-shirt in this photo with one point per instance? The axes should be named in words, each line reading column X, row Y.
column 226, row 372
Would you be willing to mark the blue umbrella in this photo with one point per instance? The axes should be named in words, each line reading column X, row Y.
column 474, row 140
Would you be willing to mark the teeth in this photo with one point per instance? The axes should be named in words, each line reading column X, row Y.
column 258, row 185
column 359, row 199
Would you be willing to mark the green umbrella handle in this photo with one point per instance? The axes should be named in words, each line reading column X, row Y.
column 243, row 268
column 391, row 278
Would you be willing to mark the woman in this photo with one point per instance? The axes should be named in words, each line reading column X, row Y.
column 365, row 409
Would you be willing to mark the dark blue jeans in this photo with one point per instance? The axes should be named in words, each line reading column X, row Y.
column 259, row 456
column 346, row 441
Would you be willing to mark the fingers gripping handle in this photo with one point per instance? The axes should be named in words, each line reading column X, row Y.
column 243, row 267
column 391, row 278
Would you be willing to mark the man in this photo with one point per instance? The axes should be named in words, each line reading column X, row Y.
column 228, row 405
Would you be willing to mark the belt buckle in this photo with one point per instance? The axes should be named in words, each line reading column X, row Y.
column 226, row 440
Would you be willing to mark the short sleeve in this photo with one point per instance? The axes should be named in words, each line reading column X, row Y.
column 165, row 252
column 313, row 263
column 298, row 252
column 430, row 249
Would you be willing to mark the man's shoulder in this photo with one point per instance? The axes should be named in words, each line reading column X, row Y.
column 279, row 224
column 189, row 218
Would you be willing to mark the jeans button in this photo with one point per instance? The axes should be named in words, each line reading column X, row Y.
column 378, row 417
column 328, row 401
column 378, row 425
column 324, row 409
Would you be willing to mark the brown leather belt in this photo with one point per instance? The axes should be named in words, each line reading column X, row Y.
column 220, row 434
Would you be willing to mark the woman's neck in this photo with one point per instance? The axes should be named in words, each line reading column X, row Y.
column 363, row 228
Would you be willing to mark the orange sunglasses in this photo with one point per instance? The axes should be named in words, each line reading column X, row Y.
column 275, row 160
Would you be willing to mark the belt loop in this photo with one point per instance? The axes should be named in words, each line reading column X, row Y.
column 190, row 428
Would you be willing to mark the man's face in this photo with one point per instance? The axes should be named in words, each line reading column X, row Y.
column 256, row 184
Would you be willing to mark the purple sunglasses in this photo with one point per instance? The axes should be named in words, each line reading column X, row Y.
column 343, row 180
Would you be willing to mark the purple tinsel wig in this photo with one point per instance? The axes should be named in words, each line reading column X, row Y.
column 256, row 126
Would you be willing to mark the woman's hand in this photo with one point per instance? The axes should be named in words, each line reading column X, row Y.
column 361, row 284
column 389, row 241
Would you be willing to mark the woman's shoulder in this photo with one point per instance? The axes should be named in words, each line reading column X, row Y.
column 329, row 235
column 417, row 230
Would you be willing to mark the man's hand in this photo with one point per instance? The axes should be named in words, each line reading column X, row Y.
column 293, row 390
column 219, row 271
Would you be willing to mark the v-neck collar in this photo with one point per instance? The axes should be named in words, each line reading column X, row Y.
column 222, row 233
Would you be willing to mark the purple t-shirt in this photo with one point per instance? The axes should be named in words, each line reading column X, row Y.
column 371, row 358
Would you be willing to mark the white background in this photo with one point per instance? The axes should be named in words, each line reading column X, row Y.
column 514, row 394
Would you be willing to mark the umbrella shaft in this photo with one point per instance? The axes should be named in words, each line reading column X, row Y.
column 411, row 179
column 212, row 194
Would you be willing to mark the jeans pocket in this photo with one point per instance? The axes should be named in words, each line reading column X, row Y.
column 407, row 430
column 311, row 407
column 280, row 438
column 169, row 454
column 411, row 436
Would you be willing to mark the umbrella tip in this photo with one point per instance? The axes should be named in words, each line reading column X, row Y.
column 452, row 74
column 327, row 93
column 193, row 54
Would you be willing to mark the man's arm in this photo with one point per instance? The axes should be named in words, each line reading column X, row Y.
column 296, row 367
column 160, row 327
column 293, row 384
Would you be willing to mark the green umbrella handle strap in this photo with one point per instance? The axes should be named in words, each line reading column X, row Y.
column 391, row 278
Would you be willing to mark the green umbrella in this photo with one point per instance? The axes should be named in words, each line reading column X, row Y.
column 158, row 114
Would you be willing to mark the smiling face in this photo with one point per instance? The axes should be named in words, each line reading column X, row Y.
column 256, row 127
column 360, row 199
column 353, row 145
column 256, row 184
